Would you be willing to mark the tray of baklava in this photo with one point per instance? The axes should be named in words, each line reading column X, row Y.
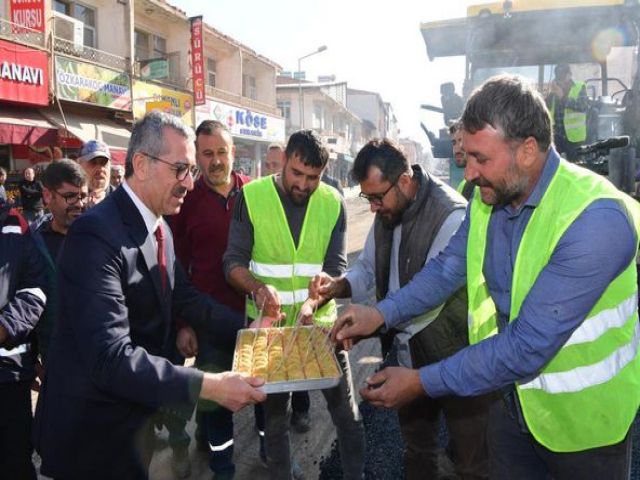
column 288, row 358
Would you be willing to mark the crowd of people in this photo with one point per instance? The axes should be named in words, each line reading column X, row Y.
column 509, row 307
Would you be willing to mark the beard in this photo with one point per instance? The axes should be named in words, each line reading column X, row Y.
column 508, row 190
column 392, row 217
column 218, row 175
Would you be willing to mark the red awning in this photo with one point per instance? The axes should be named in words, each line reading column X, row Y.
column 23, row 126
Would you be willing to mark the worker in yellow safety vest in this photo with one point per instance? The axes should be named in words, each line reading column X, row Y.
column 548, row 252
column 568, row 104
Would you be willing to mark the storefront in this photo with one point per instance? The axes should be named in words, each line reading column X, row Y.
column 24, row 88
column 95, row 103
column 252, row 132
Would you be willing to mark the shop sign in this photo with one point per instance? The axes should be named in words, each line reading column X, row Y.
column 148, row 96
column 28, row 13
column 86, row 83
column 243, row 122
column 197, row 61
column 154, row 69
column 23, row 74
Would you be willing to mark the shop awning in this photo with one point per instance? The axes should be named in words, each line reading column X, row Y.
column 24, row 126
column 87, row 128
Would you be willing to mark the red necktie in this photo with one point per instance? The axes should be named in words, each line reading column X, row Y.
column 162, row 259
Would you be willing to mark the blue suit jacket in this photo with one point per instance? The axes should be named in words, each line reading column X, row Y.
column 106, row 373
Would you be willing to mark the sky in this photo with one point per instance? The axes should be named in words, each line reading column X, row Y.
column 372, row 45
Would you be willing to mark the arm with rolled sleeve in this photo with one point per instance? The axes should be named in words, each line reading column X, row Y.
column 26, row 300
column 587, row 258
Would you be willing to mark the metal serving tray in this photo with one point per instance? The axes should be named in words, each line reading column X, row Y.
column 291, row 385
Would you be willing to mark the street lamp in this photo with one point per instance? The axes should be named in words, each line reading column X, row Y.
column 300, row 100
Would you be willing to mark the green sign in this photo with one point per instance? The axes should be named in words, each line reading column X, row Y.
column 87, row 83
column 154, row 69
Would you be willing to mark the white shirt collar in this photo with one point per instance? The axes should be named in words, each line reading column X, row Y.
column 150, row 219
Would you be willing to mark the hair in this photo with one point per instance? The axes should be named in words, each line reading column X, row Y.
column 454, row 127
column 117, row 168
column 63, row 171
column 148, row 136
column 275, row 146
column 208, row 127
column 512, row 106
column 384, row 154
column 308, row 146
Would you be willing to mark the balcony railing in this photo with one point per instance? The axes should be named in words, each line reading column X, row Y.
column 17, row 34
column 99, row 57
column 242, row 101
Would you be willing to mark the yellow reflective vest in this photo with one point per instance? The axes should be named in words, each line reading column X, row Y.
column 575, row 123
column 275, row 260
column 588, row 394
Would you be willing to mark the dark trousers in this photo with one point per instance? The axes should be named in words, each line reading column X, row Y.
column 15, row 432
column 466, row 420
column 300, row 402
column 215, row 423
column 516, row 454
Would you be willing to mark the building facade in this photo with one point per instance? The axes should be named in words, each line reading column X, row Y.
column 94, row 67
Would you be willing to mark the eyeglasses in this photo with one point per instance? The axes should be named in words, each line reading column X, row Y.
column 376, row 198
column 71, row 198
column 182, row 169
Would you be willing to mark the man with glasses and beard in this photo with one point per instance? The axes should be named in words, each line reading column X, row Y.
column 285, row 229
column 66, row 195
column 548, row 253
column 416, row 215
column 120, row 286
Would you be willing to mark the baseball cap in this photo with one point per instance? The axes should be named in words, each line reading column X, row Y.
column 93, row 149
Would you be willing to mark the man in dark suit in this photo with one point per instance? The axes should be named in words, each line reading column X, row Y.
column 120, row 285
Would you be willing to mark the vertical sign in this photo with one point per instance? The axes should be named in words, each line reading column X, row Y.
column 197, row 61
column 28, row 13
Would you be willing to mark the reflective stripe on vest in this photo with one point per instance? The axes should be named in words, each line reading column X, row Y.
column 588, row 394
column 274, row 258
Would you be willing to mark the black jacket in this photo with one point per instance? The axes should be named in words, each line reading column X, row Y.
column 22, row 297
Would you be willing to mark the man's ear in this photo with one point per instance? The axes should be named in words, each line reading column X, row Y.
column 528, row 153
column 141, row 166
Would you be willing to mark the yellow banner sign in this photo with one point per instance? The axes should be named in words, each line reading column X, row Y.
column 149, row 96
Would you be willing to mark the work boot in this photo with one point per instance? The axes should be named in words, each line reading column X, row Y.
column 300, row 422
column 180, row 464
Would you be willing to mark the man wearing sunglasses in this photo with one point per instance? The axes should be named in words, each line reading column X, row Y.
column 416, row 215
column 95, row 159
column 66, row 195
column 120, row 285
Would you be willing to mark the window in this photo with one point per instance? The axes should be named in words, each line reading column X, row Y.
column 211, row 72
column 141, row 45
column 249, row 87
column 285, row 109
column 86, row 15
column 149, row 46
